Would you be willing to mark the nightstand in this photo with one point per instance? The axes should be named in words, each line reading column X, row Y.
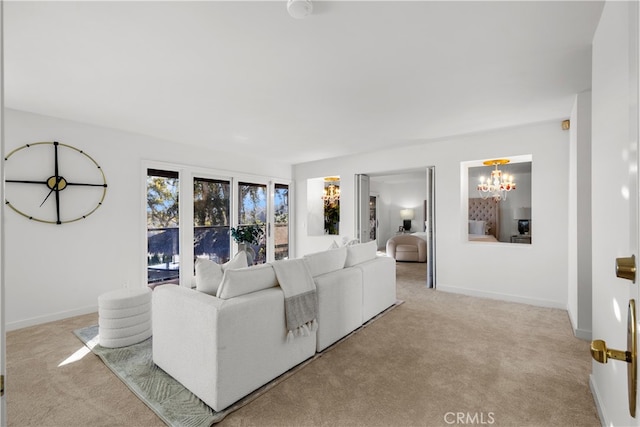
column 521, row 238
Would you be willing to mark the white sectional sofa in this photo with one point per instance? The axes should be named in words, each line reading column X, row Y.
column 224, row 346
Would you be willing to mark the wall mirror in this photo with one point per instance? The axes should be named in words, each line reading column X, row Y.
column 323, row 206
column 499, row 200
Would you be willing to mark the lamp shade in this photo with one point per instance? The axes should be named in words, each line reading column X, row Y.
column 522, row 213
column 406, row 214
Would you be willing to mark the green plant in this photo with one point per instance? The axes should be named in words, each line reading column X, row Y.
column 247, row 234
column 331, row 217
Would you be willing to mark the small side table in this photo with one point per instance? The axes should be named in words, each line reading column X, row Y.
column 124, row 317
column 521, row 238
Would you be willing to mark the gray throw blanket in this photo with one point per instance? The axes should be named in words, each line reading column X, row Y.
column 300, row 299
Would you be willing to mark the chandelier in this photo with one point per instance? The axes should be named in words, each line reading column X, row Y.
column 331, row 192
column 498, row 184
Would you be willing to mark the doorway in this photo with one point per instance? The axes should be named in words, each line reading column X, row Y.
column 395, row 191
column 373, row 217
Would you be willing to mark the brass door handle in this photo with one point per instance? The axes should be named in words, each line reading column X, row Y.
column 602, row 354
column 626, row 268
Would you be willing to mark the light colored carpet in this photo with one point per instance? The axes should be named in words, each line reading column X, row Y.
column 169, row 399
column 436, row 354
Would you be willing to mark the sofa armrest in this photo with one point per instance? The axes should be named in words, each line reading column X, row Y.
column 222, row 350
column 378, row 286
column 391, row 248
column 185, row 326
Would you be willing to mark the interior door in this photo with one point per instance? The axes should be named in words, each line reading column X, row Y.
column 430, row 225
column 373, row 218
column 614, row 192
column 362, row 225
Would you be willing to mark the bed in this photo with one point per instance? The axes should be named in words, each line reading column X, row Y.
column 482, row 238
column 484, row 220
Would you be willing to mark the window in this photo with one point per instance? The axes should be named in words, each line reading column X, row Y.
column 281, row 221
column 189, row 213
column 211, row 218
column 253, row 210
column 163, row 249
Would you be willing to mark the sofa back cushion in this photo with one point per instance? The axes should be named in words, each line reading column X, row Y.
column 209, row 274
column 246, row 280
column 360, row 253
column 326, row 261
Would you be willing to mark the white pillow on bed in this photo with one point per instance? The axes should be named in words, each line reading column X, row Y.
column 477, row 227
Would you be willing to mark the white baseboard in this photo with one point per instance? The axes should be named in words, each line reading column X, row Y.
column 598, row 401
column 503, row 297
column 583, row 334
column 12, row 326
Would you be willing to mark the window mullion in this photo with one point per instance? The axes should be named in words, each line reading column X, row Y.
column 186, row 229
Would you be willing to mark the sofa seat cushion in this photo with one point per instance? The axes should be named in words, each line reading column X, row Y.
column 406, row 248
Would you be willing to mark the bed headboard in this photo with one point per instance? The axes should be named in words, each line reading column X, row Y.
column 485, row 210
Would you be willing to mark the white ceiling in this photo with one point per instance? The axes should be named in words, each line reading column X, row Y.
column 353, row 77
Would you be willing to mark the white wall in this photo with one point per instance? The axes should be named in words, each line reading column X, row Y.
column 55, row 271
column 535, row 273
column 406, row 195
column 394, row 196
column 579, row 292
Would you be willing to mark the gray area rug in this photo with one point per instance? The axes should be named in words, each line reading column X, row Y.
column 173, row 403
column 170, row 400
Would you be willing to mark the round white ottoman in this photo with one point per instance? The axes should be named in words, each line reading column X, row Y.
column 124, row 317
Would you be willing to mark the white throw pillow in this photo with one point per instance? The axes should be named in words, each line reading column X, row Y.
column 209, row 274
column 326, row 261
column 242, row 281
column 238, row 261
column 357, row 254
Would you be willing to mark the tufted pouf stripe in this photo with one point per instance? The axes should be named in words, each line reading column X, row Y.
column 125, row 341
column 124, row 317
column 106, row 332
column 123, row 322
column 119, row 313
column 124, row 298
